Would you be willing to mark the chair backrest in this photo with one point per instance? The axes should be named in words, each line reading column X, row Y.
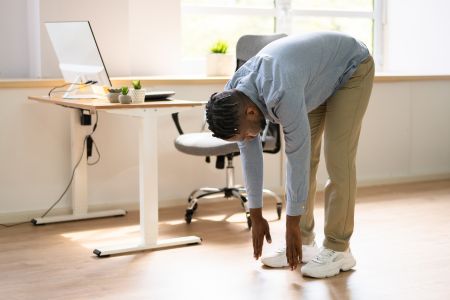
column 247, row 47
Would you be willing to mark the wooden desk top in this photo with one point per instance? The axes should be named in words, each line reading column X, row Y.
column 149, row 81
column 103, row 104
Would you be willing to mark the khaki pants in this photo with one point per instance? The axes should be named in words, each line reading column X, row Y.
column 340, row 117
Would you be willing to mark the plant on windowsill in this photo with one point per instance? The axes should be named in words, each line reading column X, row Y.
column 125, row 98
column 218, row 62
column 137, row 93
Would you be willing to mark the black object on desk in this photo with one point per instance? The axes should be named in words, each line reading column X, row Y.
column 158, row 95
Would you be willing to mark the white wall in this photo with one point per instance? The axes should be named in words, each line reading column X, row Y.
column 405, row 132
column 405, row 136
column 14, row 59
column 416, row 36
column 155, row 37
column 110, row 24
column 135, row 37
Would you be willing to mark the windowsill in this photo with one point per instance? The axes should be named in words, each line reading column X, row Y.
column 195, row 80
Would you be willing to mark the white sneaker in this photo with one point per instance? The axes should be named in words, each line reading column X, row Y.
column 279, row 259
column 329, row 263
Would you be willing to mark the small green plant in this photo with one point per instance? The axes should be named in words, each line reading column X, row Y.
column 124, row 90
column 220, row 47
column 114, row 91
column 136, row 84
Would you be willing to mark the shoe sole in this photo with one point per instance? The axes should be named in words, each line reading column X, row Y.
column 346, row 266
column 304, row 261
column 284, row 266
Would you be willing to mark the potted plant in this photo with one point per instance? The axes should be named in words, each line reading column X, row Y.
column 218, row 62
column 137, row 93
column 125, row 98
column 113, row 95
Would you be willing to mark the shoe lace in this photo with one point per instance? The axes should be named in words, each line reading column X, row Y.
column 281, row 250
column 324, row 255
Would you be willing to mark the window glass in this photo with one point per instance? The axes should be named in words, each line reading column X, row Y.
column 361, row 29
column 333, row 4
column 232, row 3
column 200, row 31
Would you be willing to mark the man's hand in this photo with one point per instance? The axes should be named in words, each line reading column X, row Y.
column 260, row 228
column 293, row 241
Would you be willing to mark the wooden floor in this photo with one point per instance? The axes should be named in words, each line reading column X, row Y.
column 401, row 243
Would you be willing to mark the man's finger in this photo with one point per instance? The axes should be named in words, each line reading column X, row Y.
column 299, row 254
column 259, row 243
column 254, row 246
column 289, row 256
column 293, row 257
column 268, row 237
column 294, row 260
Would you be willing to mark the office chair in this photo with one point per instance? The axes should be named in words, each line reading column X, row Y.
column 204, row 144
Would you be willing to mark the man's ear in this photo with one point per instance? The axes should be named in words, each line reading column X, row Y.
column 251, row 112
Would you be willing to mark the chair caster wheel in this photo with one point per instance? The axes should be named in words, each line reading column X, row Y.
column 188, row 216
column 195, row 207
column 249, row 222
column 279, row 207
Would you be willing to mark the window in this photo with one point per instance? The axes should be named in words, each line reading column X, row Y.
column 354, row 17
column 205, row 21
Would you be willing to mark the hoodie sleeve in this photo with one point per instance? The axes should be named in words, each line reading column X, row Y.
column 252, row 168
column 291, row 112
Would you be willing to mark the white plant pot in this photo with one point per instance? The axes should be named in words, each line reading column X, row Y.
column 137, row 96
column 220, row 64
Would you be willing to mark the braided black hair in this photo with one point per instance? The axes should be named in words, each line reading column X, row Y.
column 222, row 114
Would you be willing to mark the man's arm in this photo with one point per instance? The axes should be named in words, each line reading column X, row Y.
column 252, row 165
column 291, row 111
column 252, row 168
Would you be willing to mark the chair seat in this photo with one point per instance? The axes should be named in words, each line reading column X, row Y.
column 204, row 144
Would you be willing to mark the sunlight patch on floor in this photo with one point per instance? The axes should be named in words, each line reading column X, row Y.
column 176, row 222
column 237, row 218
column 214, row 218
column 105, row 237
column 125, row 241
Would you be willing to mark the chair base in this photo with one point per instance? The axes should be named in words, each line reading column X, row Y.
column 237, row 192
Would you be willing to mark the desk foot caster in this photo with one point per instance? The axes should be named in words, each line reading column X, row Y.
column 36, row 223
column 196, row 243
column 99, row 253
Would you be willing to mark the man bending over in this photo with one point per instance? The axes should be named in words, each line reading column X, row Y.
column 311, row 85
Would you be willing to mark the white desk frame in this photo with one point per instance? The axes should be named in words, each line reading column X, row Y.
column 148, row 174
column 148, row 185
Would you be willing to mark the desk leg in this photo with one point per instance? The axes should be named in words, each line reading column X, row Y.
column 148, row 195
column 79, row 183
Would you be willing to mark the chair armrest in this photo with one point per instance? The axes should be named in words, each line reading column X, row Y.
column 177, row 123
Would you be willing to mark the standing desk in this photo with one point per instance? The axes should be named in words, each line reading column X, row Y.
column 147, row 113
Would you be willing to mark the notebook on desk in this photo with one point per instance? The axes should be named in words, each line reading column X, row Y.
column 158, row 95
